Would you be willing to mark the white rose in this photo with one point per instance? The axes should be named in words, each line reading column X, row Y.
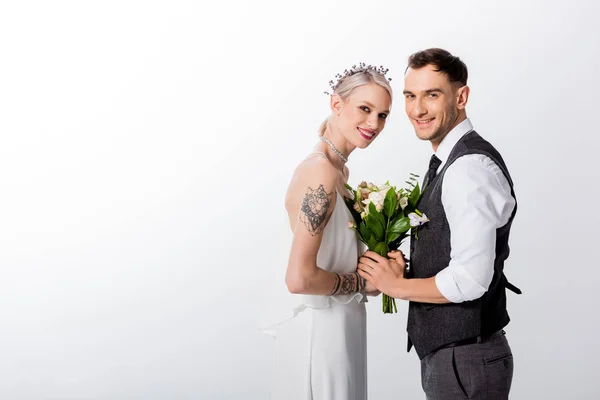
column 403, row 202
column 384, row 189
column 377, row 198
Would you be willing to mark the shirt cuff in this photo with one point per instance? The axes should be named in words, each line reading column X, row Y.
column 444, row 280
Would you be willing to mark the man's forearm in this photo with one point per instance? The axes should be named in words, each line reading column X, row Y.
column 420, row 290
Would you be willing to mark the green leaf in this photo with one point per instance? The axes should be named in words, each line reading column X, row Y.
column 390, row 202
column 350, row 188
column 364, row 232
column 392, row 236
column 414, row 197
column 400, row 225
column 375, row 226
column 373, row 211
column 372, row 208
column 382, row 249
column 390, row 228
column 395, row 240
column 371, row 243
column 395, row 245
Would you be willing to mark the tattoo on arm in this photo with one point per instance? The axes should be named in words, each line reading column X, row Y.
column 336, row 286
column 348, row 283
column 313, row 212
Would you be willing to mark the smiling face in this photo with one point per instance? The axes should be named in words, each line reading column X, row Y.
column 362, row 116
column 433, row 104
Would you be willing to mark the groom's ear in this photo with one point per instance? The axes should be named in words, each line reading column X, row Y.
column 336, row 103
column 462, row 97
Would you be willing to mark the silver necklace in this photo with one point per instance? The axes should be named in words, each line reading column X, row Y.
column 336, row 151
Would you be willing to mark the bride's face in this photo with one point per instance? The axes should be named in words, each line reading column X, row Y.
column 362, row 116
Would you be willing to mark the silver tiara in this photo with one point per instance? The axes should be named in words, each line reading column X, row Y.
column 362, row 67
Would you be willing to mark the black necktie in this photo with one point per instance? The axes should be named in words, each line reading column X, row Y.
column 434, row 164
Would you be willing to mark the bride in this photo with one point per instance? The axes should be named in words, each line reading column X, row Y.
column 320, row 336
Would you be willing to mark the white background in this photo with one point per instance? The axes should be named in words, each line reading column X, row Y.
column 145, row 151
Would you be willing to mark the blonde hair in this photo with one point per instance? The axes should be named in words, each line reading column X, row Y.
column 347, row 85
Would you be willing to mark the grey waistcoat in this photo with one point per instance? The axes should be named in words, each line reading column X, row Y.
column 432, row 326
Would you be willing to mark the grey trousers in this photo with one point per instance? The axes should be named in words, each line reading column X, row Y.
column 480, row 371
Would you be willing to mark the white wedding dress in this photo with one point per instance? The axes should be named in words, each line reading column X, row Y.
column 320, row 350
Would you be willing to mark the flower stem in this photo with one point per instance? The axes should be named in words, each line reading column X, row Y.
column 389, row 304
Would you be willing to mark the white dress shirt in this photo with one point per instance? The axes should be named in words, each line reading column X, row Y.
column 477, row 201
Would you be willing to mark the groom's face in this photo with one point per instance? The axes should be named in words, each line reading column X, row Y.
column 431, row 103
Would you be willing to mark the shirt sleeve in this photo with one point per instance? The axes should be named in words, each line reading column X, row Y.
column 477, row 200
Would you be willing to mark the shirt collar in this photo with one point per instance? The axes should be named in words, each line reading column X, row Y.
column 448, row 143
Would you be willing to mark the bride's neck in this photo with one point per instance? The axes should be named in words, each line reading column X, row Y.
column 340, row 143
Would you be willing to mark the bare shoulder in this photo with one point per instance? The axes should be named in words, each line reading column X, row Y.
column 311, row 173
column 317, row 166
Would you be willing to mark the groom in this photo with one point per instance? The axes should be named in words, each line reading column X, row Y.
column 456, row 284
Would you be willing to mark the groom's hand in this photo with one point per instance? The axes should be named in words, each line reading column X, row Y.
column 385, row 274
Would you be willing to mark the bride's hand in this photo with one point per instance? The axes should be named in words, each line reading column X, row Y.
column 371, row 290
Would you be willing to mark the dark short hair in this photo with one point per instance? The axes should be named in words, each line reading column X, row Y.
column 443, row 61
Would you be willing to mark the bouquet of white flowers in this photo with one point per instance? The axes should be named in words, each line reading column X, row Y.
column 383, row 217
